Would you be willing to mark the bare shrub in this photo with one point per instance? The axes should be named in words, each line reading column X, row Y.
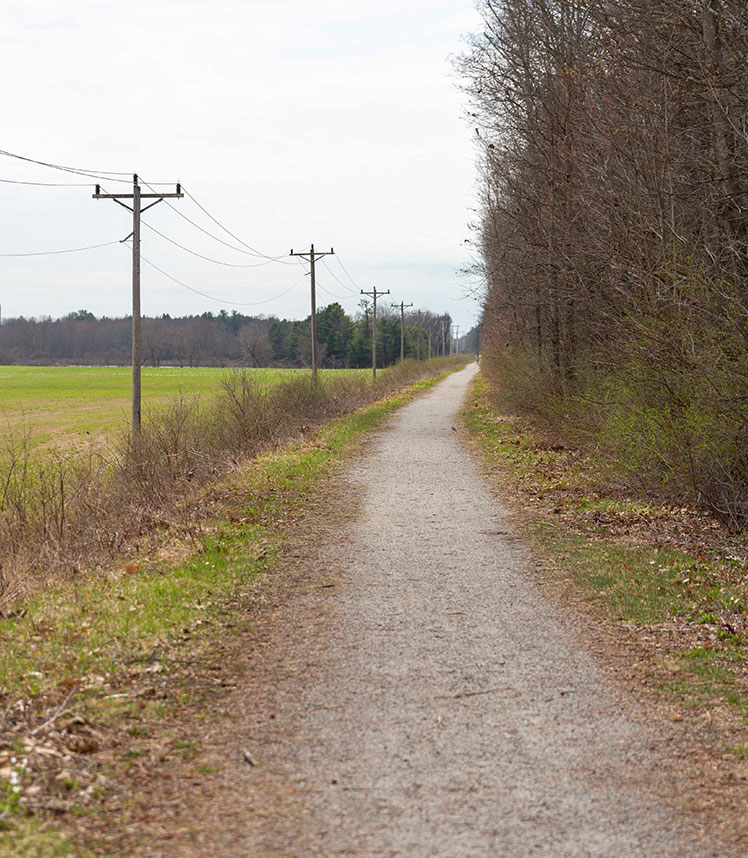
column 62, row 515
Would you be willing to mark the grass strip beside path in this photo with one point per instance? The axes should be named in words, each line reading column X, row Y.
column 670, row 580
column 96, row 676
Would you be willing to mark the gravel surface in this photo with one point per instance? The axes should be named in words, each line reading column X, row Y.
column 423, row 698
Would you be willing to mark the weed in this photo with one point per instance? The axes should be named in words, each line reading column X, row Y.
column 132, row 754
column 11, row 799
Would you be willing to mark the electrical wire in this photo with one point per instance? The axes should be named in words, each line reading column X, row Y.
column 106, row 175
column 338, row 280
column 48, row 184
column 57, row 252
column 202, row 256
column 332, row 294
column 219, row 300
column 202, row 229
column 228, row 231
column 340, row 262
column 320, row 286
column 215, row 237
column 93, row 174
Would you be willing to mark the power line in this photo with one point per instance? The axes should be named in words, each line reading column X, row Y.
column 202, row 229
column 323, row 289
column 57, row 252
column 47, row 184
column 206, row 232
column 228, row 232
column 338, row 280
column 215, row 237
column 340, row 262
column 332, row 294
column 202, row 256
column 213, row 297
column 93, row 174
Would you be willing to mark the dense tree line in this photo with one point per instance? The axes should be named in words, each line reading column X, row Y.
column 614, row 233
column 223, row 339
column 81, row 338
column 347, row 342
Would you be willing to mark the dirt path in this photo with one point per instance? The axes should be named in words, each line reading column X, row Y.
column 418, row 696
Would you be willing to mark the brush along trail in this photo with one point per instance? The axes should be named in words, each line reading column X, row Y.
column 414, row 692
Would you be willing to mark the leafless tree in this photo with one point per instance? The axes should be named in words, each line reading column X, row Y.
column 614, row 141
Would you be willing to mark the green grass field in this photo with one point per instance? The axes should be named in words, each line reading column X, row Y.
column 68, row 407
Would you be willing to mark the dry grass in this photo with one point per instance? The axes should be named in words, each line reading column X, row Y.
column 64, row 514
column 109, row 680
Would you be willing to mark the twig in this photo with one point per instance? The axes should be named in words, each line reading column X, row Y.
column 60, row 709
column 471, row 693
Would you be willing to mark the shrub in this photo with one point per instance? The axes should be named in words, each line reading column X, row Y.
column 65, row 514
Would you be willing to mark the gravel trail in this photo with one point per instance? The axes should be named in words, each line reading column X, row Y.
column 435, row 704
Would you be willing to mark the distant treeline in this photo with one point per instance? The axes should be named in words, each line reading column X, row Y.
column 223, row 339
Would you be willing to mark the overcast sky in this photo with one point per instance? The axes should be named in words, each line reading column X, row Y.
column 331, row 122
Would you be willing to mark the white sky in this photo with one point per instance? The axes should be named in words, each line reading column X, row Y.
column 331, row 122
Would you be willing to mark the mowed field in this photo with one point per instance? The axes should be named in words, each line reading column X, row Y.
column 69, row 407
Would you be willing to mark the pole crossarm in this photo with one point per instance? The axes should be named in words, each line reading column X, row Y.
column 312, row 256
column 137, row 348
column 308, row 254
column 99, row 196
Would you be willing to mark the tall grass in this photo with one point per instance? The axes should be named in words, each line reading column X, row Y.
column 66, row 514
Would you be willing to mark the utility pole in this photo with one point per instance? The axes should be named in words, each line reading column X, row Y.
column 402, row 305
column 313, row 256
column 137, row 346
column 456, row 339
column 374, row 295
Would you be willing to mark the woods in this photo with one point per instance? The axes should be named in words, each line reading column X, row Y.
column 225, row 339
column 614, row 151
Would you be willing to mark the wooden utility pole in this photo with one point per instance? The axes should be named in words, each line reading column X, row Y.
column 137, row 346
column 402, row 305
column 374, row 295
column 313, row 256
